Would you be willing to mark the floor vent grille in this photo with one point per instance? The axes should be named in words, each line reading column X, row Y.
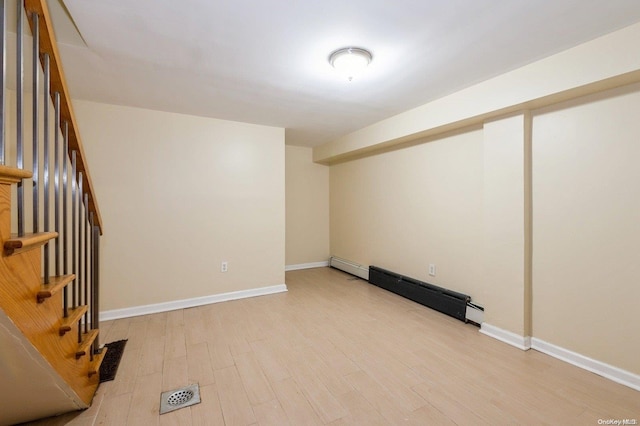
column 179, row 398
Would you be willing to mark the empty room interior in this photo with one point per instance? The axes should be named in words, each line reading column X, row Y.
column 290, row 235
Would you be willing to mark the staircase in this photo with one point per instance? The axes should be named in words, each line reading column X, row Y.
column 49, row 274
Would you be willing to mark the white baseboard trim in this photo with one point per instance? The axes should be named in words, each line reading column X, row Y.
column 306, row 266
column 600, row 368
column 513, row 339
column 189, row 303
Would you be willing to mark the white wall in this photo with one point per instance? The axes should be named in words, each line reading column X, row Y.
column 179, row 194
column 307, row 208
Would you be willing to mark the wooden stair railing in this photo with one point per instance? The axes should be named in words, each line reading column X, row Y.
column 49, row 45
column 49, row 277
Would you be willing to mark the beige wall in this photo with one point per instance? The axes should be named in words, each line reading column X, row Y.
column 307, row 207
column 586, row 218
column 405, row 209
column 462, row 202
column 503, row 249
column 558, row 256
column 179, row 194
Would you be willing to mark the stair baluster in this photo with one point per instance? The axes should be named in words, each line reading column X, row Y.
column 3, row 70
column 35, row 151
column 74, row 290
column 19, row 110
column 79, row 268
column 56, row 200
column 95, row 280
column 86, row 262
column 45, row 167
column 92, row 306
column 65, row 213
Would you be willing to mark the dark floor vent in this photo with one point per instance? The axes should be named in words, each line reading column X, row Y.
column 446, row 301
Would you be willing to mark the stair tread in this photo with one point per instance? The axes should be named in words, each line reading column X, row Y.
column 87, row 341
column 94, row 366
column 54, row 286
column 74, row 316
column 13, row 175
column 27, row 242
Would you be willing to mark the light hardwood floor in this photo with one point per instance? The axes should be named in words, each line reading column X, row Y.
column 339, row 351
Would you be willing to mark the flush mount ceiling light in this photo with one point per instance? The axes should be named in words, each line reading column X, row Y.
column 350, row 61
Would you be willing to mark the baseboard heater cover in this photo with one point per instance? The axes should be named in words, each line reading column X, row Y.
column 475, row 314
column 440, row 299
column 349, row 267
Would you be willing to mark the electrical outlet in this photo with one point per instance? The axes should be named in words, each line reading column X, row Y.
column 432, row 269
column 224, row 266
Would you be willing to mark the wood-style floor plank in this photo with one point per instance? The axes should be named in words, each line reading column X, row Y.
column 180, row 417
column 208, row 412
column 174, row 373
column 115, row 410
column 321, row 399
column 378, row 396
column 236, row 408
column 137, row 333
column 175, row 318
column 115, row 330
column 255, row 382
column 157, row 326
column 175, row 343
column 199, row 364
column 151, row 356
column 196, row 330
column 361, row 412
column 272, row 359
column 296, row 406
column 145, row 402
column 270, row 413
column 338, row 351
column 220, row 355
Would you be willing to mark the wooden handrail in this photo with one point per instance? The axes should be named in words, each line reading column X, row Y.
column 48, row 44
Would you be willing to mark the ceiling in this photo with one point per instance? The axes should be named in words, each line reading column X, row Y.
column 265, row 62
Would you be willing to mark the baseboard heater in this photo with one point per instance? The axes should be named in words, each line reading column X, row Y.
column 446, row 301
column 349, row 267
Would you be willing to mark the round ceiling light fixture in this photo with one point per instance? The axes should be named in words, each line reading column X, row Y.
column 350, row 61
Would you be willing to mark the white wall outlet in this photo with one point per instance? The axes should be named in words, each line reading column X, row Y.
column 432, row 269
column 224, row 266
